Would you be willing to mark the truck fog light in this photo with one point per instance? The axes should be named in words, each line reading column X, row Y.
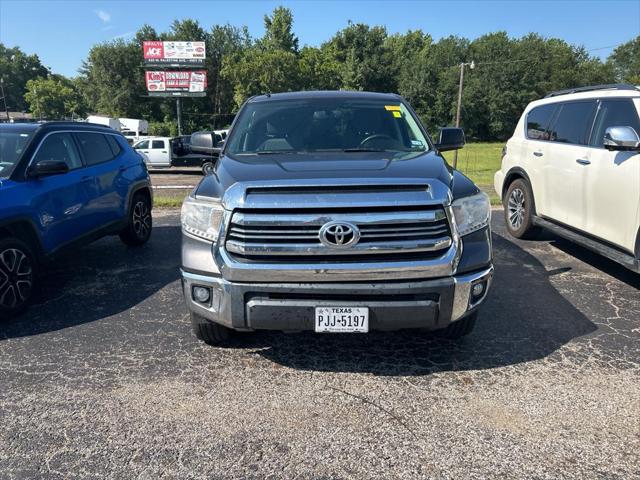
column 201, row 294
column 477, row 291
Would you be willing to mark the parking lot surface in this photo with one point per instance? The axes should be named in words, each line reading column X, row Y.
column 103, row 379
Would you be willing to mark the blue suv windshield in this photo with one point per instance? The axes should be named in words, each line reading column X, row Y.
column 325, row 125
column 12, row 144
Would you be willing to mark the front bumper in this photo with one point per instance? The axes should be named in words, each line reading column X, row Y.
column 393, row 305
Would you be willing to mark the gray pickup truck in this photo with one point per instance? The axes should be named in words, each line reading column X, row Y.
column 333, row 212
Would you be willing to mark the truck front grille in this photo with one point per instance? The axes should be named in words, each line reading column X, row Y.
column 255, row 235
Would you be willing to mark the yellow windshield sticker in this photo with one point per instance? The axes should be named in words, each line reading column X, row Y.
column 397, row 114
column 392, row 108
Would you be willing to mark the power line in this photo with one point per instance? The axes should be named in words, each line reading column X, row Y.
column 457, row 65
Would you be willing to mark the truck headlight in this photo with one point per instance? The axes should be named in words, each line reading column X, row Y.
column 472, row 213
column 201, row 219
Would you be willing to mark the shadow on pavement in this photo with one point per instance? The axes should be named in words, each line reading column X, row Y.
column 597, row 261
column 524, row 319
column 97, row 281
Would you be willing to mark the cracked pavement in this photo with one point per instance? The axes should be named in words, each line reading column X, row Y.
column 102, row 378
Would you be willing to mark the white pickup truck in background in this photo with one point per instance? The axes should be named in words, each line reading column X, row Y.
column 167, row 152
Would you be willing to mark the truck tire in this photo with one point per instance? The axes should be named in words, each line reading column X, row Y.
column 209, row 332
column 459, row 328
column 519, row 208
column 18, row 266
column 207, row 168
column 139, row 222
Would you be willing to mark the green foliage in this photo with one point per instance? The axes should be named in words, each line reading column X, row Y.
column 16, row 69
column 364, row 60
column 166, row 128
column 53, row 97
column 625, row 62
column 279, row 31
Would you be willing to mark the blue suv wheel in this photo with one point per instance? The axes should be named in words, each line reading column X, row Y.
column 139, row 222
column 17, row 276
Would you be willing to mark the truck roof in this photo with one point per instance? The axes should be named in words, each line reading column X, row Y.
column 342, row 94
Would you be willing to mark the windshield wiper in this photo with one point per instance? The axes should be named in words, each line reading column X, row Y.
column 268, row 152
column 360, row 149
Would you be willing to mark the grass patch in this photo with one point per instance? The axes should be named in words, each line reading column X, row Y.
column 479, row 162
column 169, row 198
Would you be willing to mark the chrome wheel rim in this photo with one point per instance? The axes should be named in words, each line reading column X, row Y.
column 516, row 208
column 141, row 219
column 16, row 278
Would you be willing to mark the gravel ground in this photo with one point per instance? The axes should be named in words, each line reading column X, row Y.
column 103, row 379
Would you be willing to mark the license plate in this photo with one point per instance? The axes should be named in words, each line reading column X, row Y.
column 342, row 319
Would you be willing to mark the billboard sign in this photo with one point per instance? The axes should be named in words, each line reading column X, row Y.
column 173, row 53
column 172, row 83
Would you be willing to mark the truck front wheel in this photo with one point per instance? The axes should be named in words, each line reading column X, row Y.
column 209, row 332
column 459, row 328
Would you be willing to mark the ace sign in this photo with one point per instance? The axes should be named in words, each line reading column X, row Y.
column 173, row 53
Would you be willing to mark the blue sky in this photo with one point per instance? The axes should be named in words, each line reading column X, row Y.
column 62, row 32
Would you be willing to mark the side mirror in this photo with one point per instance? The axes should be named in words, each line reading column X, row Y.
column 46, row 168
column 451, row 138
column 621, row 138
column 204, row 142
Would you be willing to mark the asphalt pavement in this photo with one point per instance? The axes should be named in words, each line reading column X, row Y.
column 102, row 378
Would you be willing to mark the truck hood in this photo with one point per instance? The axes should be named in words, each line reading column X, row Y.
column 236, row 177
column 331, row 166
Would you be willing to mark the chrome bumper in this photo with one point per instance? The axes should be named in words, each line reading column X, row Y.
column 430, row 304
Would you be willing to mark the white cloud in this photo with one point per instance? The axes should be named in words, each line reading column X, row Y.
column 103, row 15
column 123, row 35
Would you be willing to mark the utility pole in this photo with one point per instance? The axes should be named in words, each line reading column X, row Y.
column 179, row 114
column 4, row 98
column 459, row 107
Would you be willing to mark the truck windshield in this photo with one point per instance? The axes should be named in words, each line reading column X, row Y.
column 12, row 144
column 317, row 125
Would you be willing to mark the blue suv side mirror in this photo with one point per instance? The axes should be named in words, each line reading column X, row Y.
column 46, row 168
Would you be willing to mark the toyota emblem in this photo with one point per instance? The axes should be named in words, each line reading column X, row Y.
column 339, row 234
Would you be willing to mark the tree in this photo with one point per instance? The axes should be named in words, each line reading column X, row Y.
column 268, row 65
column 16, row 69
column 279, row 31
column 53, row 98
column 625, row 61
column 113, row 80
column 363, row 58
column 259, row 71
column 223, row 42
column 318, row 70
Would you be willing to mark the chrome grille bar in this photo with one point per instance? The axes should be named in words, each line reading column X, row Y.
column 260, row 235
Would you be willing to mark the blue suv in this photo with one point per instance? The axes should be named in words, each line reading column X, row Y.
column 62, row 184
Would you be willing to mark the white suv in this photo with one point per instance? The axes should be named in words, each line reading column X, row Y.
column 573, row 166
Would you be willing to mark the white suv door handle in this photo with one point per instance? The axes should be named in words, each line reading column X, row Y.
column 537, row 154
column 583, row 161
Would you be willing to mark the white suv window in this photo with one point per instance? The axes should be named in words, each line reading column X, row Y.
column 538, row 120
column 614, row 113
column 573, row 123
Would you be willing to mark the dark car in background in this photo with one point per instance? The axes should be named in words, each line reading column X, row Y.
column 63, row 184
